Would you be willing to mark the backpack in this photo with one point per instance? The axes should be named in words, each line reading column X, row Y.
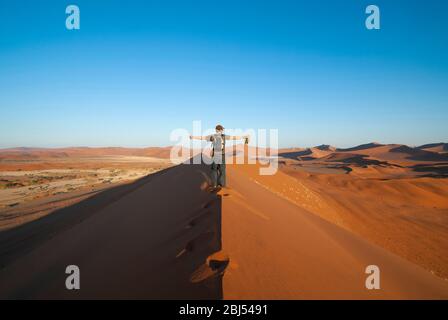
column 218, row 143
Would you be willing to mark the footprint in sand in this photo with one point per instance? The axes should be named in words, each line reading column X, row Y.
column 201, row 240
column 199, row 219
column 228, row 192
column 202, row 214
column 218, row 261
column 215, row 265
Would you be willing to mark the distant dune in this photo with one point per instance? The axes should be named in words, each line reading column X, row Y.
column 362, row 147
column 435, row 147
column 418, row 154
column 326, row 147
column 371, row 153
column 306, row 154
column 352, row 158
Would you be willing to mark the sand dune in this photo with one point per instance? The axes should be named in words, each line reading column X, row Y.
column 307, row 154
column 361, row 147
column 396, row 152
column 420, row 155
column 372, row 159
column 326, row 147
column 435, row 147
column 352, row 158
column 166, row 237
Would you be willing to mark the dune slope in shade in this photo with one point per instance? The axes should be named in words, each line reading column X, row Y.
column 146, row 243
column 169, row 238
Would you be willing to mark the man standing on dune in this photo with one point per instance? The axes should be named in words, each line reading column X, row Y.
column 218, row 155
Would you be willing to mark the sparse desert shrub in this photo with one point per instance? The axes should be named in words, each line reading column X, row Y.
column 14, row 185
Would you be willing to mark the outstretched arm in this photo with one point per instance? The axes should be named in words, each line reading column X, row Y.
column 236, row 137
column 200, row 137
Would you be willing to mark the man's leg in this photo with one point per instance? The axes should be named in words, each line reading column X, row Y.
column 222, row 175
column 214, row 174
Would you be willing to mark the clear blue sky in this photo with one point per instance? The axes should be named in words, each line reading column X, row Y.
column 138, row 69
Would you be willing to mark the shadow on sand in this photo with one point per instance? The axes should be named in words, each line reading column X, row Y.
column 156, row 238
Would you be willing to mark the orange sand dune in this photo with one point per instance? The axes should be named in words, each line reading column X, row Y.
column 326, row 147
column 405, row 215
column 397, row 152
column 165, row 236
column 374, row 156
column 435, row 147
column 352, row 158
column 305, row 154
column 365, row 146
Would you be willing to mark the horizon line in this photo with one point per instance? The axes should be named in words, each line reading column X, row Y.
column 170, row 146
